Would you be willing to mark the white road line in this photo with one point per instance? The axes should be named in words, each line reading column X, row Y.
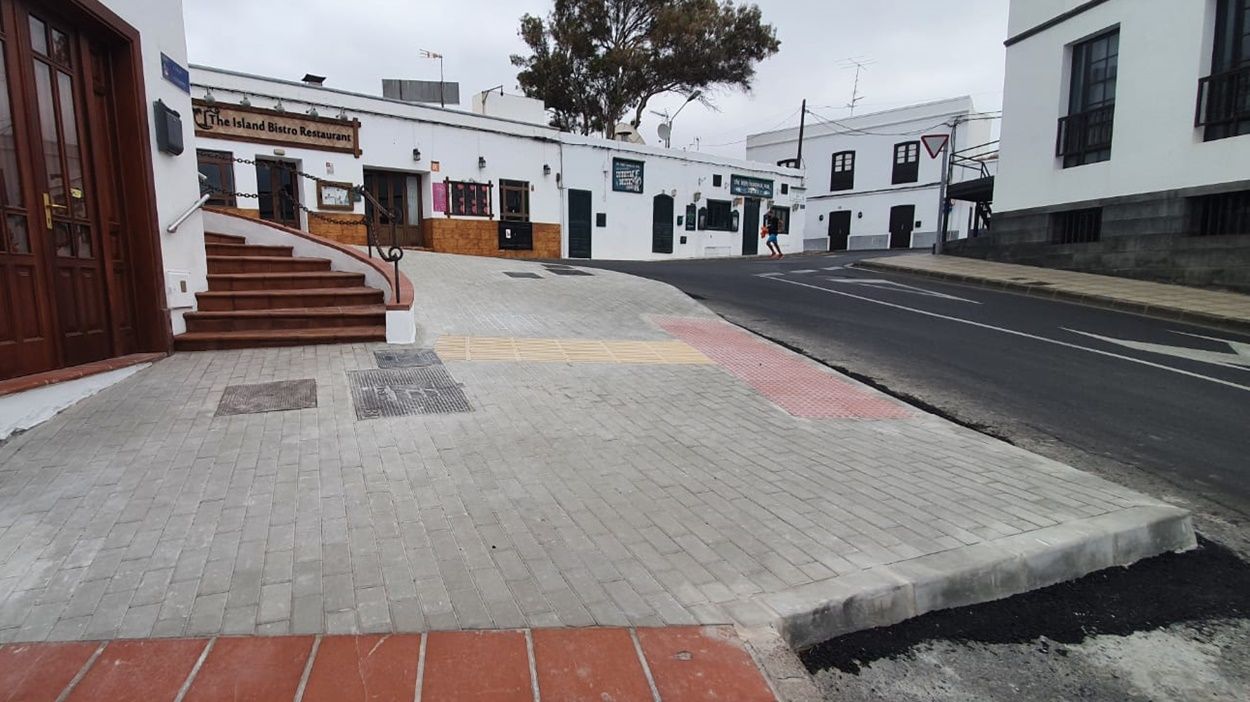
column 805, row 270
column 833, row 268
column 1021, row 334
column 900, row 287
column 768, row 275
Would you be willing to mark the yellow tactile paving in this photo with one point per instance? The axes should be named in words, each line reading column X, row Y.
column 490, row 348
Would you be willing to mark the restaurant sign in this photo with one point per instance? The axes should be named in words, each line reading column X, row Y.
column 751, row 187
column 627, row 175
column 215, row 120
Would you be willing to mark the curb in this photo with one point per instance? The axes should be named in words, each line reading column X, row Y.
column 983, row 572
column 1104, row 301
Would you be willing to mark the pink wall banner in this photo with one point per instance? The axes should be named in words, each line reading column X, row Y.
column 440, row 197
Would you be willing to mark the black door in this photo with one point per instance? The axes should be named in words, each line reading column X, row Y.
column 662, row 224
column 751, row 227
column 902, row 221
column 278, row 196
column 839, row 230
column 579, row 224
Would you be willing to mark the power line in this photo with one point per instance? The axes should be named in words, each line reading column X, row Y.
column 848, row 129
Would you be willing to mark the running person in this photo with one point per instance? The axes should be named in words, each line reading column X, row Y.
column 772, row 224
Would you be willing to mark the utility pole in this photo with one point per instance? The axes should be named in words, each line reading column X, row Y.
column 802, row 124
column 948, row 164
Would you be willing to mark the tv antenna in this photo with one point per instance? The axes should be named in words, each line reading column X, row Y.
column 860, row 64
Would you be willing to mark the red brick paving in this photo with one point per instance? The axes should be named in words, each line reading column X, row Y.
column 689, row 664
column 702, row 663
column 788, row 380
column 589, row 665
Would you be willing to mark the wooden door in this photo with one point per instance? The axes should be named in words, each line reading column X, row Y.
column 839, row 230
column 902, row 221
column 400, row 194
column 278, row 192
column 55, row 61
column 662, row 224
column 751, row 227
column 579, row 224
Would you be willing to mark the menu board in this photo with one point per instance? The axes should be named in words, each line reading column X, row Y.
column 626, row 175
column 469, row 199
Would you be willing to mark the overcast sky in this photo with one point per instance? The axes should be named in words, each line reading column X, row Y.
column 923, row 50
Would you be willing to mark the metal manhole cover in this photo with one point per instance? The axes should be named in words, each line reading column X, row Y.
column 268, row 397
column 406, row 358
column 556, row 266
column 569, row 271
column 403, row 392
column 516, row 274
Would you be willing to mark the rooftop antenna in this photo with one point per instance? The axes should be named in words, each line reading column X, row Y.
column 860, row 64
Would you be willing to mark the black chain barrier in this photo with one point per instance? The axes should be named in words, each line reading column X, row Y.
column 391, row 254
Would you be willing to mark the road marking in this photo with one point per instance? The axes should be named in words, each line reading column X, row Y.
column 833, row 268
column 1020, row 333
column 768, row 275
column 1239, row 359
column 805, row 270
column 901, row 287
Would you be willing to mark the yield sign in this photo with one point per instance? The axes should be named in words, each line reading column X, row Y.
column 935, row 143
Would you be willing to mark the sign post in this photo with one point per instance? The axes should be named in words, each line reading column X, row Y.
column 937, row 144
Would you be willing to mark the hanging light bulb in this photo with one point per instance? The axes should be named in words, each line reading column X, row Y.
column 279, row 107
column 312, row 111
column 209, row 97
column 245, row 102
column 343, row 114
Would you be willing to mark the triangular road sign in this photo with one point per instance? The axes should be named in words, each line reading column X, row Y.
column 935, row 143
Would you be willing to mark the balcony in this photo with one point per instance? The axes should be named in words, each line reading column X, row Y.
column 1085, row 137
column 1224, row 104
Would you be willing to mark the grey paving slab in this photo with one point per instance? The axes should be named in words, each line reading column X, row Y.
column 570, row 494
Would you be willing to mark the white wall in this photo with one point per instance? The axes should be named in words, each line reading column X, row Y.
column 873, row 138
column 390, row 130
column 160, row 26
column 517, row 107
column 1165, row 48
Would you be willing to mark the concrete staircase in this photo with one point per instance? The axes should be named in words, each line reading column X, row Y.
column 263, row 295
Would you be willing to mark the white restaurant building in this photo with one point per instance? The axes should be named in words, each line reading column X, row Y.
column 871, row 183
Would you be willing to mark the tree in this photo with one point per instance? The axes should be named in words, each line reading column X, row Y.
column 594, row 61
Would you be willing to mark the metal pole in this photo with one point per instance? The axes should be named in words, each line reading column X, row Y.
column 442, row 86
column 947, row 165
column 802, row 124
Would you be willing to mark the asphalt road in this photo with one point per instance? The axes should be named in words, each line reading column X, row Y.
column 1164, row 402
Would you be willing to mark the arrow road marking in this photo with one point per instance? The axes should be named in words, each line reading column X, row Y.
column 901, row 287
column 1238, row 359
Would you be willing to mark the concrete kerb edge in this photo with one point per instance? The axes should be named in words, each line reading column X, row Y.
column 1170, row 313
column 984, row 572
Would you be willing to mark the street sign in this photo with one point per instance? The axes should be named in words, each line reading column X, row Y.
column 935, row 144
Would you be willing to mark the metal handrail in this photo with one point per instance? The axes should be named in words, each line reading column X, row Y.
column 1227, row 95
column 1087, row 131
column 394, row 252
column 190, row 211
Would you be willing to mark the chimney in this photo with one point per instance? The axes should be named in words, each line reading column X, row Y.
column 313, row 79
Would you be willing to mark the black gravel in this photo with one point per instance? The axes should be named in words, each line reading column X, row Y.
column 1208, row 584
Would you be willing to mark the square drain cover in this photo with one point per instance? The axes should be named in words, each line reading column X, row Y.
column 268, row 397
column 402, row 392
column 516, row 274
column 407, row 358
column 569, row 271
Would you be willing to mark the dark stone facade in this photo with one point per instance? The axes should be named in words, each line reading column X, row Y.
column 1150, row 236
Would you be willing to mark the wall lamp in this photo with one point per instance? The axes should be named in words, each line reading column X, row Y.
column 416, row 154
column 245, row 102
column 546, row 169
column 481, row 162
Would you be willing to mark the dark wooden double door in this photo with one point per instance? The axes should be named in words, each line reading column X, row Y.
column 400, row 196
column 66, row 294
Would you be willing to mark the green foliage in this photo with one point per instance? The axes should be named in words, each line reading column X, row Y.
column 594, row 61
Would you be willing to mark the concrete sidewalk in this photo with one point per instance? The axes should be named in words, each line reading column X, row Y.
column 1185, row 304
column 623, row 458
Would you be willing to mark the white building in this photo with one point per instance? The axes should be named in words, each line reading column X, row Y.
column 1105, row 166
column 581, row 197
column 871, row 182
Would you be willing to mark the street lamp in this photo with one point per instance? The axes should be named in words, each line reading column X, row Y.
column 442, row 102
column 666, row 129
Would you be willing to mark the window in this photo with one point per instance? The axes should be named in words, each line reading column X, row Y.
column 1225, row 214
column 469, row 199
column 906, row 162
column 720, row 215
column 785, row 188
column 1085, row 134
column 1224, row 96
column 1076, row 226
column 717, row 179
column 217, row 167
column 783, row 219
column 514, row 200
column 843, row 176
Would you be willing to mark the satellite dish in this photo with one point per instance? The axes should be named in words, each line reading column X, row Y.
column 665, row 130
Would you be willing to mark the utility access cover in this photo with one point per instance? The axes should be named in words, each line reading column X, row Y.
column 268, row 397
column 403, row 392
column 568, row 271
column 406, row 358
column 520, row 274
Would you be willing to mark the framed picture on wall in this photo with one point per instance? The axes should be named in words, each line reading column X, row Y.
column 334, row 196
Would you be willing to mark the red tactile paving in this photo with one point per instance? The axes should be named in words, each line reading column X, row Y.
column 139, row 671
column 708, row 664
column 789, row 381
column 37, row 672
column 589, row 665
column 477, row 666
column 374, row 668
column 252, row 669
